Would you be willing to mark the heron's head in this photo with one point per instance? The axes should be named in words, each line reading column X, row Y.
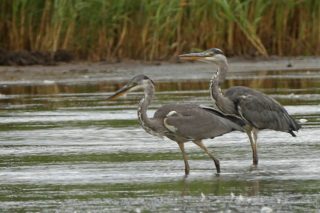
column 214, row 55
column 136, row 83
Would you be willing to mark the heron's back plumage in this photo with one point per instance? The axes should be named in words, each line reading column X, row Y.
column 260, row 110
column 191, row 122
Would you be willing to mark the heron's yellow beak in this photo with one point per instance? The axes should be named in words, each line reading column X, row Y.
column 121, row 92
column 194, row 56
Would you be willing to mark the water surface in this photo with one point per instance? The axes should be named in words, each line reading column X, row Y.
column 67, row 149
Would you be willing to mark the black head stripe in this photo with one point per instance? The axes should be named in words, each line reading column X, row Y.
column 152, row 82
column 217, row 51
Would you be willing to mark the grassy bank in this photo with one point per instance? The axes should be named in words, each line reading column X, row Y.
column 145, row 29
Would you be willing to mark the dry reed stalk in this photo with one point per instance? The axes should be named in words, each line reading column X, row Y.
column 157, row 29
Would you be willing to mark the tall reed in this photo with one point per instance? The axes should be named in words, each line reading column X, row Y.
column 160, row 29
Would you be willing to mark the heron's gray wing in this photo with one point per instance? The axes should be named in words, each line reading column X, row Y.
column 197, row 123
column 261, row 111
column 234, row 118
column 163, row 111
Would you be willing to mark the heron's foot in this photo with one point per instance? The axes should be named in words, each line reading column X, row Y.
column 186, row 172
column 217, row 164
column 255, row 161
column 253, row 167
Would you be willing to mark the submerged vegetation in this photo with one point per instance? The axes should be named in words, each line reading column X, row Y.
column 148, row 30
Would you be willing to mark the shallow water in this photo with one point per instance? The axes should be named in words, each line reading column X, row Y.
column 69, row 150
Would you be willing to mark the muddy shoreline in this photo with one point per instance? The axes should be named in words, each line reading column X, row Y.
column 87, row 71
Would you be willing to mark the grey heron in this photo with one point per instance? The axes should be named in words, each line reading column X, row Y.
column 259, row 110
column 180, row 122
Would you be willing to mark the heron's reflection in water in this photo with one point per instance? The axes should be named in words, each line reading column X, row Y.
column 218, row 185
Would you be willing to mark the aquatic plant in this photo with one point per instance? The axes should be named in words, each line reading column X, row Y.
column 148, row 30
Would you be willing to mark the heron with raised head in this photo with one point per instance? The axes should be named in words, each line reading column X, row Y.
column 180, row 122
column 259, row 110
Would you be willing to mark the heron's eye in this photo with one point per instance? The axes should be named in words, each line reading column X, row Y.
column 217, row 51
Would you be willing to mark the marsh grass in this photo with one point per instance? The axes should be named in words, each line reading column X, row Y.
column 149, row 30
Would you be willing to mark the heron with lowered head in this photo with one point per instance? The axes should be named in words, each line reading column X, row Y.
column 180, row 122
column 257, row 109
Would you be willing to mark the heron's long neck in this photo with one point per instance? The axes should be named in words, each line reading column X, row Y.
column 222, row 102
column 147, row 124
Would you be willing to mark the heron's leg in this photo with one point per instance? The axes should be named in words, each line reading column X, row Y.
column 204, row 148
column 252, row 134
column 185, row 158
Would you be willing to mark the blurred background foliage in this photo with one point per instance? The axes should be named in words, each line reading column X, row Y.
column 160, row 29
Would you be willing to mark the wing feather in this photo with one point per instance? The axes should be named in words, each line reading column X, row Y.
column 197, row 123
column 261, row 110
